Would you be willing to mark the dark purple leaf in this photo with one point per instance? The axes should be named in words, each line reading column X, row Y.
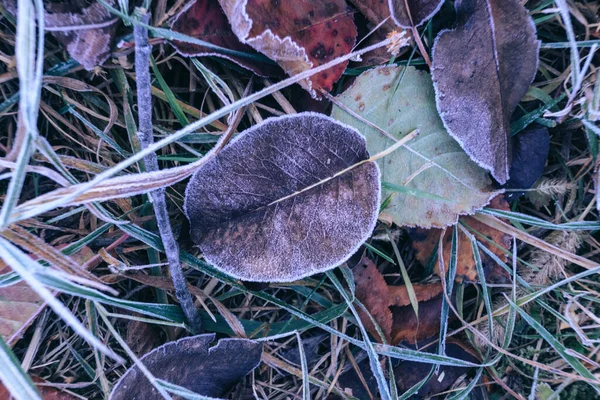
column 191, row 363
column 530, row 151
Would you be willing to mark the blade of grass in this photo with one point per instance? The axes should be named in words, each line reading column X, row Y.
column 18, row 383
column 384, row 390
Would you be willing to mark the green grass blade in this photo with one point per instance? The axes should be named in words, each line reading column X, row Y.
column 18, row 383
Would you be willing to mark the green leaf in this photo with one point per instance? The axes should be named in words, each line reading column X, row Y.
column 441, row 181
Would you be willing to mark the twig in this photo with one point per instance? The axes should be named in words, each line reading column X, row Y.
column 142, row 71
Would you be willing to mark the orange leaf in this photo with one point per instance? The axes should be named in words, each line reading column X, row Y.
column 390, row 306
column 425, row 242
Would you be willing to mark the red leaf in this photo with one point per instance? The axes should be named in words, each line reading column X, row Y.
column 204, row 20
column 298, row 35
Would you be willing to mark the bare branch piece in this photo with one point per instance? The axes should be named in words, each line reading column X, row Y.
column 142, row 72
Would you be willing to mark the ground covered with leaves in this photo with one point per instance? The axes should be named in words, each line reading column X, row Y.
column 355, row 199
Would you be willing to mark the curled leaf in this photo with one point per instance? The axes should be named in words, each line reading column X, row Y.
column 481, row 70
column 297, row 35
column 281, row 202
column 205, row 20
column 430, row 181
column 409, row 13
column 191, row 363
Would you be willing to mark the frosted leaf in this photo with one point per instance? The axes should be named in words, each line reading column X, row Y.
column 270, row 207
column 191, row 363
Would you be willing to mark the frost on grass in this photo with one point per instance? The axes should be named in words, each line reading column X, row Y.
column 481, row 71
column 191, row 363
column 270, row 207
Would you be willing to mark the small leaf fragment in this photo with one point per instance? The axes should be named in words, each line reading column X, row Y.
column 273, row 206
column 481, row 71
column 191, row 363
column 20, row 305
column 430, row 189
column 205, row 20
column 297, row 35
column 409, row 13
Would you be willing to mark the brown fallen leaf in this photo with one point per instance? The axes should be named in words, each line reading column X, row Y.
column 46, row 392
column 297, row 35
column 390, row 306
column 87, row 29
column 481, row 70
column 141, row 337
column 205, row 20
column 426, row 241
column 20, row 305
column 412, row 13
column 409, row 373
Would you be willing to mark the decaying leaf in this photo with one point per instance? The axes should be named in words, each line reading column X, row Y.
column 530, row 151
column 481, row 70
column 426, row 241
column 298, row 35
column 390, row 306
column 275, row 206
column 407, row 328
column 67, row 21
column 205, row 20
column 409, row 373
column 409, row 13
column 20, row 305
column 191, row 363
column 429, row 189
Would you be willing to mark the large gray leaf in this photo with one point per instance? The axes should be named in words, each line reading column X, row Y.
column 409, row 13
column 270, row 207
column 191, row 363
column 481, row 70
column 430, row 189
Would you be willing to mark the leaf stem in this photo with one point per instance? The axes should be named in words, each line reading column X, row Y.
column 145, row 134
